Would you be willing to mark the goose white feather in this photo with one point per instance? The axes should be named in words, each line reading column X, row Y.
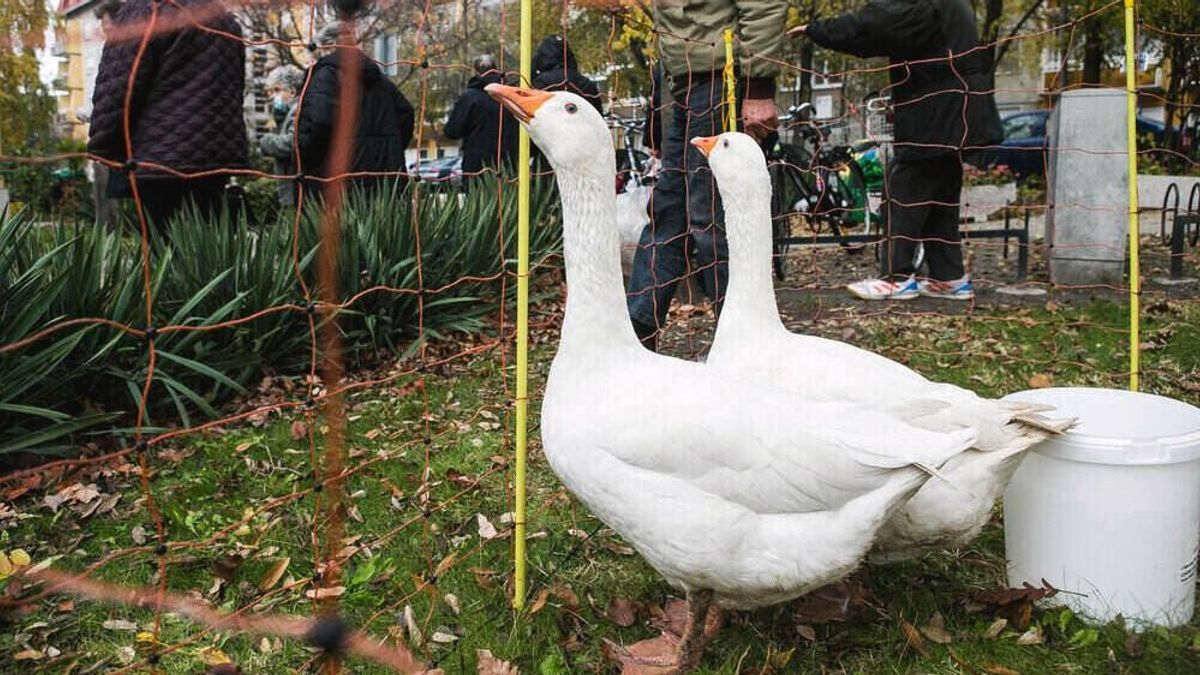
column 752, row 342
column 753, row 493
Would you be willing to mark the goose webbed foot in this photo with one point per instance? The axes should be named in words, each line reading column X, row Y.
column 691, row 643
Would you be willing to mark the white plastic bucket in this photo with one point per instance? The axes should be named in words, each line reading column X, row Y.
column 1110, row 509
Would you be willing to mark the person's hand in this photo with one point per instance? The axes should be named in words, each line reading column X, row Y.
column 759, row 117
column 798, row 31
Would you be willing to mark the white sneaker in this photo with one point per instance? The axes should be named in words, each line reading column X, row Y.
column 882, row 289
column 955, row 289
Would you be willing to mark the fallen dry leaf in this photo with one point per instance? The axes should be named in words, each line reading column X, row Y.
column 28, row 655
column 912, row 638
column 565, row 595
column 274, row 574
column 1016, row 603
column 936, row 630
column 655, row 656
column 539, row 601
column 458, row 479
column 119, row 624
column 487, row 664
column 298, row 430
column 807, row 632
column 1033, row 636
column 485, row 527
column 1040, row 381
column 415, row 638
column 76, row 493
column 997, row 669
column 452, row 602
column 326, row 592
column 835, row 602
column 996, row 628
column 175, row 456
column 621, row 612
column 211, row 656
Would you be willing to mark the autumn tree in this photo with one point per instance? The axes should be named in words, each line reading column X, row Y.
column 1175, row 24
column 26, row 108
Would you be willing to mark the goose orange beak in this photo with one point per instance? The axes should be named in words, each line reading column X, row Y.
column 704, row 144
column 521, row 102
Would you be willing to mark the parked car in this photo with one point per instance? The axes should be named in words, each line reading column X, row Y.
column 445, row 171
column 1024, row 145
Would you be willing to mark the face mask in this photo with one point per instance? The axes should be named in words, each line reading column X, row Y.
column 279, row 104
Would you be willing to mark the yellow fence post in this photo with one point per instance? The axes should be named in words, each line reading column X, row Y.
column 522, row 402
column 1131, row 153
column 730, row 84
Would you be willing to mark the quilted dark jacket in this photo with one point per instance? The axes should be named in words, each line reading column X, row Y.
column 488, row 132
column 186, row 108
column 385, row 119
column 931, row 99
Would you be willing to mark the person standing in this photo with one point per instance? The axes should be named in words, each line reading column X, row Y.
column 283, row 84
column 487, row 131
column 555, row 68
column 686, row 206
column 184, row 105
column 385, row 117
column 944, row 115
column 106, row 207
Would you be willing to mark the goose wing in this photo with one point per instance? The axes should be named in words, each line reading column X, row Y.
column 762, row 448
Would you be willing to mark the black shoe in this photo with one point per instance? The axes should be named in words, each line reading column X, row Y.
column 648, row 335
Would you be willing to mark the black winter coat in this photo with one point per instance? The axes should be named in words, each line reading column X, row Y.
column 486, row 129
column 186, row 109
column 385, row 119
column 931, row 100
column 555, row 69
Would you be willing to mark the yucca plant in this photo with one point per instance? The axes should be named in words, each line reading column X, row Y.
column 90, row 376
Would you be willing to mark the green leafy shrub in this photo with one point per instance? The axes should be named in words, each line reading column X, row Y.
column 88, row 377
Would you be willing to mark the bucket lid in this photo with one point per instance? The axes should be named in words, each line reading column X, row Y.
column 1115, row 426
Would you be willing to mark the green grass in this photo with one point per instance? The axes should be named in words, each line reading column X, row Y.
column 207, row 483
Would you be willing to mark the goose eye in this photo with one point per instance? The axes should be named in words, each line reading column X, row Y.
column 571, row 108
column 725, row 143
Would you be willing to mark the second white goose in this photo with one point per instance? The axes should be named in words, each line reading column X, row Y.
column 751, row 342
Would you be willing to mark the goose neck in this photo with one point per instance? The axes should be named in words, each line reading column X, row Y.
column 596, row 311
column 751, row 291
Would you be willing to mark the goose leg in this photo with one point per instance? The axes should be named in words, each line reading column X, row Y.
column 691, row 646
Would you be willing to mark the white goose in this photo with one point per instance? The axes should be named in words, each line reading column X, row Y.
column 752, row 342
column 738, row 494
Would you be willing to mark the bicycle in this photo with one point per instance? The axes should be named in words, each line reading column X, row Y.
column 635, row 167
column 823, row 186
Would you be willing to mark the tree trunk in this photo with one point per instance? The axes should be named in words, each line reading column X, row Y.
column 1171, row 139
column 806, row 68
column 993, row 12
column 1093, row 52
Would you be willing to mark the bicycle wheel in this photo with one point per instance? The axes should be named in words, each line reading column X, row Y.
column 780, row 217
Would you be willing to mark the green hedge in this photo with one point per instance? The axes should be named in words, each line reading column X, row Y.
column 86, row 380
